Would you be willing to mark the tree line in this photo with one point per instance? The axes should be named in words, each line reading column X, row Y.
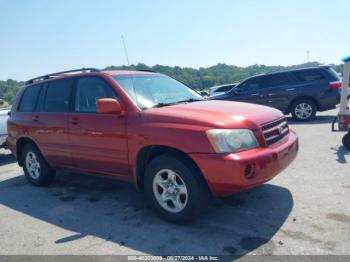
column 199, row 79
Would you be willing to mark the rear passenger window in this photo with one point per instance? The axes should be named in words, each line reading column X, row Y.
column 58, row 95
column 309, row 75
column 29, row 98
column 277, row 80
column 89, row 90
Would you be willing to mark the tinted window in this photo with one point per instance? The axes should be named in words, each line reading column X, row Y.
column 277, row 80
column 334, row 74
column 309, row 75
column 89, row 90
column 57, row 96
column 41, row 99
column 224, row 88
column 28, row 101
column 251, row 84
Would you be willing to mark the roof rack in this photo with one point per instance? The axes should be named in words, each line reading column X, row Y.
column 146, row 70
column 297, row 69
column 45, row 77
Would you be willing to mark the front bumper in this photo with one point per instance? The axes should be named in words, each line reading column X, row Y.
column 231, row 173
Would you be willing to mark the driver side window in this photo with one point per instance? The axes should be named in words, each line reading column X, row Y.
column 88, row 91
column 253, row 84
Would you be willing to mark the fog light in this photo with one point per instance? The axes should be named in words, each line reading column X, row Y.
column 249, row 171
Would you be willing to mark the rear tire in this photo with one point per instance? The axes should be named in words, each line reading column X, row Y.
column 36, row 169
column 303, row 110
column 175, row 188
column 346, row 141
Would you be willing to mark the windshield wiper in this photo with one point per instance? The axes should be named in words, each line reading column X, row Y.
column 163, row 104
column 175, row 103
column 188, row 101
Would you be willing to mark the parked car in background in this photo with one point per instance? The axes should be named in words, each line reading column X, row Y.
column 148, row 129
column 221, row 89
column 301, row 92
column 3, row 126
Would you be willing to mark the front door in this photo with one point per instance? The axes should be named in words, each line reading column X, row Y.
column 278, row 91
column 250, row 91
column 98, row 141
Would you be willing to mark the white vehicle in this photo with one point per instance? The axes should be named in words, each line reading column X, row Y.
column 3, row 126
column 221, row 89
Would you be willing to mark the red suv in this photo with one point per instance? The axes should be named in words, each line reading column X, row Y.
column 149, row 129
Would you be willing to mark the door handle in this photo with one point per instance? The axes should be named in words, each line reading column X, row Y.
column 290, row 89
column 35, row 118
column 74, row 121
column 255, row 94
column 270, row 94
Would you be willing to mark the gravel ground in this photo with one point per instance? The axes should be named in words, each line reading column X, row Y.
column 304, row 210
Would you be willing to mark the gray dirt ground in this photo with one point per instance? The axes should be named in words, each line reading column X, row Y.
column 305, row 210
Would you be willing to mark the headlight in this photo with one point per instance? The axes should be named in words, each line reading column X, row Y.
column 231, row 140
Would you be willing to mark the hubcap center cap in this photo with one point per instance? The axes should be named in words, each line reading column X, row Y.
column 172, row 189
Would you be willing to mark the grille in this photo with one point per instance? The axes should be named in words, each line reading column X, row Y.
column 275, row 131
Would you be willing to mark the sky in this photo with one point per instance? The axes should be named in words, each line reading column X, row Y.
column 42, row 36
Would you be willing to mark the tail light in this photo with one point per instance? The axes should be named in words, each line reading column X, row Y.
column 335, row 84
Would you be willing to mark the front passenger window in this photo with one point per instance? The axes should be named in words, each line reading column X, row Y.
column 253, row 84
column 89, row 90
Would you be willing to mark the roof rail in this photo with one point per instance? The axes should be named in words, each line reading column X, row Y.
column 146, row 70
column 45, row 77
column 284, row 70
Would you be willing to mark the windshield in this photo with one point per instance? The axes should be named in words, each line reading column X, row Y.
column 155, row 90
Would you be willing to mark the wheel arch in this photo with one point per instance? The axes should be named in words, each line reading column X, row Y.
column 148, row 153
column 20, row 144
column 303, row 98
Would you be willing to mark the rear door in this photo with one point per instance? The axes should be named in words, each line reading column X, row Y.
column 51, row 116
column 98, row 141
column 22, row 122
column 278, row 90
column 250, row 91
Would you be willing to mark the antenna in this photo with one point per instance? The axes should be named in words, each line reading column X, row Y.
column 126, row 51
column 307, row 56
column 132, row 77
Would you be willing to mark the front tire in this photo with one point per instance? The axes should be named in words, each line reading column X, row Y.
column 175, row 189
column 36, row 169
column 346, row 141
column 303, row 110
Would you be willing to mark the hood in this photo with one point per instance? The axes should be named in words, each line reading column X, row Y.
column 214, row 114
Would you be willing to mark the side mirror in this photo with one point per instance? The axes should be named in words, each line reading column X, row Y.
column 204, row 93
column 236, row 91
column 108, row 106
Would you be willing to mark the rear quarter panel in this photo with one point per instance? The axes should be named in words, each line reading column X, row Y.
column 321, row 91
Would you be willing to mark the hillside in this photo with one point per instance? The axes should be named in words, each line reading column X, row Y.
column 199, row 79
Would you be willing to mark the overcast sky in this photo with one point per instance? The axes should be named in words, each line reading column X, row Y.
column 43, row 36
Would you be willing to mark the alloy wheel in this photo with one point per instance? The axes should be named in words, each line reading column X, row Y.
column 303, row 111
column 32, row 165
column 170, row 190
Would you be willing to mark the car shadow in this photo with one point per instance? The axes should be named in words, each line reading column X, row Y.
column 6, row 158
column 114, row 211
column 341, row 152
column 324, row 119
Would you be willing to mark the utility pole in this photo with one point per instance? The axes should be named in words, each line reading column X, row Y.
column 307, row 56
